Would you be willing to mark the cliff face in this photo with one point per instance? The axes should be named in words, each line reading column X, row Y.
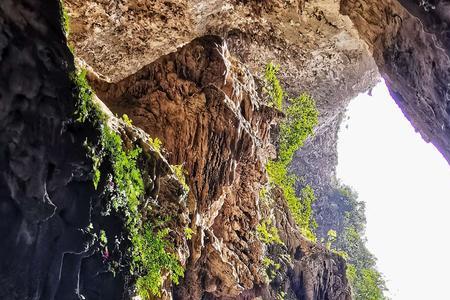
column 411, row 45
column 203, row 105
column 50, row 212
column 205, row 110
column 317, row 48
column 203, row 101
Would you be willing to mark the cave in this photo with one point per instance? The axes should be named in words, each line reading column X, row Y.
column 140, row 149
column 402, row 180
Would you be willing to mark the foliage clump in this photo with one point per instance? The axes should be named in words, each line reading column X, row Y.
column 301, row 118
column 65, row 19
column 268, row 233
column 179, row 173
column 188, row 232
column 271, row 267
column 124, row 187
column 155, row 143
column 366, row 281
column 127, row 120
column 150, row 256
column 273, row 87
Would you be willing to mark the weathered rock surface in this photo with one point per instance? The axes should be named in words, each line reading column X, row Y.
column 202, row 102
column 203, row 105
column 49, row 209
column 410, row 42
column 205, row 110
column 308, row 270
column 316, row 47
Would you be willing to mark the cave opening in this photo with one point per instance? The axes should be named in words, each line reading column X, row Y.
column 404, row 183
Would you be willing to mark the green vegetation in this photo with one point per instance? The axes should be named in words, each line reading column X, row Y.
column 279, row 176
column 65, row 19
column 301, row 118
column 366, row 281
column 179, row 173
column 188, row 232
column 103, row 238
column 273, row 87
column 281, row 295
column 155, row 143
column 271, row 267
column 268, row 233
column 150, row 258
column 263, row 193
column 124, row 186
column 127, row 120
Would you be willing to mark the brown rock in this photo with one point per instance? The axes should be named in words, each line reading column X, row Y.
column 203, row 105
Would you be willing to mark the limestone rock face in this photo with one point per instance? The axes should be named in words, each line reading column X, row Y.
column 411, row 45
column 203, row 105
column 49, row 208
column 205, row 110
column 188, row 73
column 317, row 48
column 308, row 270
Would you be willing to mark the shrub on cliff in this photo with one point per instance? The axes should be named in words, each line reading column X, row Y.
column 366, row 281
column 273, row 87
column 301, row 117
column 150, row 254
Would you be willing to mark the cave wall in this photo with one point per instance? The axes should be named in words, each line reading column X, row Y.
column 410, row 43
column 44, row 182
column 50, row 212
column 317, row 48
column 203, row 105
column 49, row 203
column 46, row 191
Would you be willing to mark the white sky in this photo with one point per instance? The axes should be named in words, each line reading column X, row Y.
column 405, row 183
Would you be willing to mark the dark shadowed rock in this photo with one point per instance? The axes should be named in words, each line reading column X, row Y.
column 411, row 46
column 48, row 205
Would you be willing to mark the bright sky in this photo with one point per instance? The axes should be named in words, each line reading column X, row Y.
column 405, row 183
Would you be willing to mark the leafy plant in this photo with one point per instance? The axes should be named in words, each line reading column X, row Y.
column 268, row 233
column 124, row 187
column 300, row 209
column 65, row 19
column 301, row 118
column 366, row 281
column 103, row 238
column 263, row 193
column 281, row 295
column 273, row 87
column 127, row 120
column 271, row 267
column 155, row 143
column 179, row 173
column 151, row 259
column 188, row 232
